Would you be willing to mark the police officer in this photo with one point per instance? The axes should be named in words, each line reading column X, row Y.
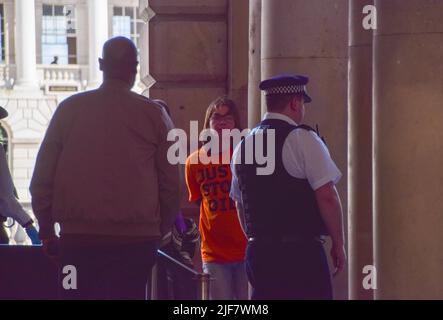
column 9, row 206
column 286, row 214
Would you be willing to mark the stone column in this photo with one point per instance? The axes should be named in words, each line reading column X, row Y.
column 254, row 94
column 98, row 34
column 359, row 150
column 238, row 25
column 25, row 45
column 408, row 95
column 311, row 37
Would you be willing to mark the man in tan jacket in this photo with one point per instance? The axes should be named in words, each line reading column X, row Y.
column 102, row 173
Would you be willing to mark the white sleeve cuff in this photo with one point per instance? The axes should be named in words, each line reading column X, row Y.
column 334, row 178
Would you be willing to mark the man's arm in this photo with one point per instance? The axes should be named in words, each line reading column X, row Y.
column 10, row 207
column 42, row 182
column 322, row 174
column 235, row 194
column 168, row 180
column 331, row 211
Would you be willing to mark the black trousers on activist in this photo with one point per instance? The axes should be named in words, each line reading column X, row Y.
column 288, row 270
column 106, row 270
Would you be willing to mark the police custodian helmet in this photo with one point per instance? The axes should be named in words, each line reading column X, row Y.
column 286, row 84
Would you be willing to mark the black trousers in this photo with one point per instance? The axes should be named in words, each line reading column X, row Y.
column 288, row 271
column 114, row 271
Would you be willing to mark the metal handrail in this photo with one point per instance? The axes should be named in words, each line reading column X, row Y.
column 203, row 279
column 175, row 261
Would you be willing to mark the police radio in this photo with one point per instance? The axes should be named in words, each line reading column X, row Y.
column 318, row 133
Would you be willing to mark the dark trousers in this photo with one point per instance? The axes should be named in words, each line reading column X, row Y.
column 106, row 271
column 288, row 271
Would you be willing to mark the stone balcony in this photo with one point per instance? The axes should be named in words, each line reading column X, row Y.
column 56, row 79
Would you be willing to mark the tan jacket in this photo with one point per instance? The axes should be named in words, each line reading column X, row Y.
column 102, row 167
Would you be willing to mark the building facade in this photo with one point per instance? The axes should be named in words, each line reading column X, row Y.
column 48, row 51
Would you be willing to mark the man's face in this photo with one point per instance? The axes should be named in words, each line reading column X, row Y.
column 222, row 119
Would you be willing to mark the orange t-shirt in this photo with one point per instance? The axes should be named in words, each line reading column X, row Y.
column 222, row 239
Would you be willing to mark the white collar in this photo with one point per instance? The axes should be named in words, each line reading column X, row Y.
column 279, row 116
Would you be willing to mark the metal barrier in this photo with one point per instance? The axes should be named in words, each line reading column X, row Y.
column 172, row 279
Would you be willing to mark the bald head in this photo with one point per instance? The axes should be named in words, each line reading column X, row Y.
column 119, row 60
column 119, row 49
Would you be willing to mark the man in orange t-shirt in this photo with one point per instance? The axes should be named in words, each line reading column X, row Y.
column 223, row 242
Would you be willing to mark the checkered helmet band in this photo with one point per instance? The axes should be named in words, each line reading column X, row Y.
column 286, row 89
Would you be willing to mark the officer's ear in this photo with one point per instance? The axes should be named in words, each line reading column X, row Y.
column 101, row 63
column 295, row 103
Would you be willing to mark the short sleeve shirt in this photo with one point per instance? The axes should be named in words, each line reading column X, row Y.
column 305, row 156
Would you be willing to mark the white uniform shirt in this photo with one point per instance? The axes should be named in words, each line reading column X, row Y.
column 305, row 156
column 9, row 206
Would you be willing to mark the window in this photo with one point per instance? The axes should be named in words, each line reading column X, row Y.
column 127, row 23
column 59, row 42
column 2, row 33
